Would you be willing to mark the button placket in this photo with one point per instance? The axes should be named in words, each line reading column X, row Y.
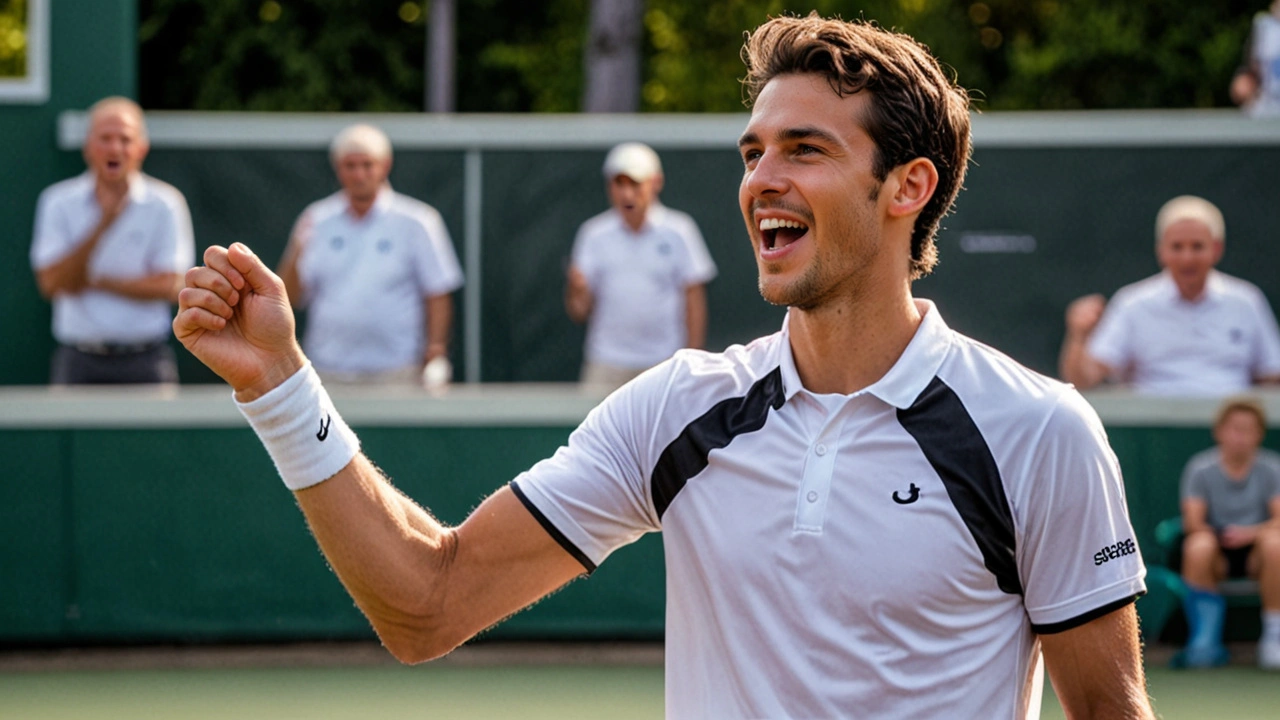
column 815, row 486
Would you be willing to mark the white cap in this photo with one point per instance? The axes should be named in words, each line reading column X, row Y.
column 1190, row 207
column 360, row 139
column 635, row 160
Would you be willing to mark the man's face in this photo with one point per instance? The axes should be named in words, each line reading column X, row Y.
column 1189, row 251
column 362, row 175
column 632, row 199
column 808, row 195
column 1239, row 434
column 115, row 146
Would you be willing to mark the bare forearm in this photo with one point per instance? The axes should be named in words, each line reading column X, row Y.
column 390, row 554
column 696, row 316
column 577, row 303
column 1076, row 366
column 288, row 272
column 161, row 286
column 70, row 274
column 439, row 325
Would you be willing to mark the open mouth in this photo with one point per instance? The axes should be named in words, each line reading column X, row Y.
column 778, row 233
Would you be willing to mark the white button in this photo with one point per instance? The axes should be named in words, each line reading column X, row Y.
column 820, row 449
column 812, row 496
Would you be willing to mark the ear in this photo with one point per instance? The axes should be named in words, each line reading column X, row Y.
column 1219, row 247
column 657, row 183
column 913, row 185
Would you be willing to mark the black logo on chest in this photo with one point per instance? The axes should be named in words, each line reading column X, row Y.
column 913, row 494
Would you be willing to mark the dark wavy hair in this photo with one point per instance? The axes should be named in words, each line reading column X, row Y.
column 915, row 111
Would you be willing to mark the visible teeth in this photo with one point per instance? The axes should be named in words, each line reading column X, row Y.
column 775, row 223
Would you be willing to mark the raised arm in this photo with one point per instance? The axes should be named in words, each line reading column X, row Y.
column 425, row 587
column 70, row 274
column 1096, row 668
column 695, row 311
column 1075, row 365
column 578, row 299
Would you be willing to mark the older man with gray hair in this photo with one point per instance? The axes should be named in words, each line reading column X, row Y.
column 109, row 251
column 1189, row 330
column 376, row 270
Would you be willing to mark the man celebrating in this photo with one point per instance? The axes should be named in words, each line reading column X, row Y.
column 110, row 246
column 864, row 514
column 1189, row 330
column 638, row 274
column 377, row 271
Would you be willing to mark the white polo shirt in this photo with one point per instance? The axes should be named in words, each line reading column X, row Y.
column 1264, row 54
column 639, row 280
column 365, row 280
column 152, row 235
column 887, row 554
column 1165, row 345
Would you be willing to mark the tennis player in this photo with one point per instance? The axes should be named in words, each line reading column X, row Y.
column 865, row 514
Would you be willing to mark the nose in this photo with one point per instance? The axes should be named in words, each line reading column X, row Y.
column 767, row 178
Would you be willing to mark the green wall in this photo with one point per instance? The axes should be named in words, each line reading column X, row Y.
column 184, row 535
column 92, row 55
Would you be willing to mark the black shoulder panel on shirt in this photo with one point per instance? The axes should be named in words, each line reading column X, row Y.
column 686, row 456
column 959, row 454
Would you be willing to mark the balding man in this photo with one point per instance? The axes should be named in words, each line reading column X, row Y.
column 110, row 246
column 376, row 270
column 1189, row 330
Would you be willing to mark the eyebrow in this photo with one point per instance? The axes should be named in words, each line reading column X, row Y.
column 807, row 132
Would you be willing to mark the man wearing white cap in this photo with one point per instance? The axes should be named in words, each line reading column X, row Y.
column 1189, row 330
column 637, row 275
column 376, row 270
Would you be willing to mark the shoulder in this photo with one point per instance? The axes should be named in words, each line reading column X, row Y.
column 693, row 382
column 64, row 190
column 1143, row 291
column 601, row 224
column 1269, row 459
column 165, row 193
column 324, row 208
column 1238, row 288
column 1206, row 459
column 415, row 209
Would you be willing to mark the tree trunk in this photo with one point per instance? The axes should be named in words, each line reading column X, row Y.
column 612, row 59
column 441, row 56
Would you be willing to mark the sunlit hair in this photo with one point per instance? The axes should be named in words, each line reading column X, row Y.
column 117, row 103
column 1245, row 404
column 360, row 139
column 916, row 111
column 1190, row 207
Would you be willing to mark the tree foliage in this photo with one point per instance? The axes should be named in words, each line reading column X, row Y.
column 516, row 56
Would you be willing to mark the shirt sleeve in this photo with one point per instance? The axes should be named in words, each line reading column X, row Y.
column 593, row 495
column 1192, row 484
column 701, row 268
column 1266, row 357
column 438, row 269
column 1077, row 554
column 1109, row 343
column 177, row 240
column 52, row 238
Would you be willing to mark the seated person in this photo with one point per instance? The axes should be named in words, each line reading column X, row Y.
column 1231, row 524
column 1189, row 330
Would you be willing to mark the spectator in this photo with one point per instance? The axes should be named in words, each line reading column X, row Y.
column 1231, row 520
column 638, row 274
column 109, row 249
column 377, row 271
column 1256, row 85
column 1189, row 330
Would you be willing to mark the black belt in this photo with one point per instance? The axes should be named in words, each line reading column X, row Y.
column 108, row 348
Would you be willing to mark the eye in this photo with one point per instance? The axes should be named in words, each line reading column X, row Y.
column 806, row 149
column 750, row 155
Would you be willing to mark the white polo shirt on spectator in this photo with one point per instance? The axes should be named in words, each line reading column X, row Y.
column 638, row 280
column 152, row 235
column 888, row 554
column 1165, row 345
column 366, row 280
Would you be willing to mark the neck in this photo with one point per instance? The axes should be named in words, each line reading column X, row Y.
column 1236, row 465
column 848, row 344
column 361, row 206
column 118, row 187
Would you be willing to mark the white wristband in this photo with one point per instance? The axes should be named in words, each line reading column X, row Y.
column 303, row 433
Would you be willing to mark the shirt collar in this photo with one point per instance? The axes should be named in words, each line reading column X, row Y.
column 137, row 186
column 908, row 377
column 1213, row 287
column 380, row 203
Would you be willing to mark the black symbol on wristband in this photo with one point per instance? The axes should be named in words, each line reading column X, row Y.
column 324, row 428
